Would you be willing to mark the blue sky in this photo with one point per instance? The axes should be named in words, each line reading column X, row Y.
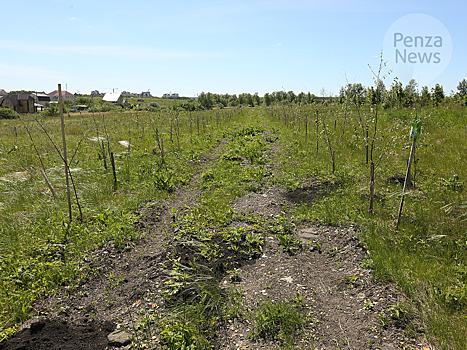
column 218, row 46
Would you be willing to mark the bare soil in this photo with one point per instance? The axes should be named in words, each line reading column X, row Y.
column 346, row 306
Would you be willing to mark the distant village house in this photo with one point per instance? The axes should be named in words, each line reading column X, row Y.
column 79, row 108
column 114, row 97
column 20, row 103
column 144, row 94
column 65, row 96
column 171, row 95
column 41, row 97
column 40, row 100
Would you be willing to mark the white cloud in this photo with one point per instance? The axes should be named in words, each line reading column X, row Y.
column 104, row 51
column 32, row 72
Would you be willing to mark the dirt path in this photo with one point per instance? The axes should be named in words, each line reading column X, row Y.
column 345, row 308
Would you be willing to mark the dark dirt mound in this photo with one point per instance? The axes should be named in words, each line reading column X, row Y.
column 309, row 193
column 190, row 255
column 44, row 334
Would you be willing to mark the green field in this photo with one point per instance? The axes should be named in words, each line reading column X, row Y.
column 42, row 250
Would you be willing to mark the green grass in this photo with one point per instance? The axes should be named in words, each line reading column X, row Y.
column 40, row 249
column 280, row 320
column 197, row 302
column 427, row 255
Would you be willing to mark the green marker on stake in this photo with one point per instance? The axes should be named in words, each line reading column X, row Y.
column 414, row 136
column 416, row 130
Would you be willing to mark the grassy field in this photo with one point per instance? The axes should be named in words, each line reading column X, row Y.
column 41, row 249
column 426, row 256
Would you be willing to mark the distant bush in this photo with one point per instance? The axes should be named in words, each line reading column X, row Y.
column 104, row 107
column 53, row 110
column 7, row 113
column 147, row 108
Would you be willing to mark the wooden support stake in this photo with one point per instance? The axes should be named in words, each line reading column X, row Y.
column 171, row 126
column 157, row 139
column 372, row 186
column 177, row 133
column 47, row 181
column 333, row 161
column 60, row 101
column 104, row 156
column 317, row 134
column 407, row 175
column 366, row 145
column 191, row 129
column 113, row 169
column 162, row 147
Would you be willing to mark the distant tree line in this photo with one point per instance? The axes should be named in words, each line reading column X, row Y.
column 209, row 100
column 356, row 94
column 396, row 95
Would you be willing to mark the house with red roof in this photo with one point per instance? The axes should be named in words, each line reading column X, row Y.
column 65, row 95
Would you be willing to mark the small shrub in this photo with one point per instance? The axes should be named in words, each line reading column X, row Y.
column 281, row 226
column 163, row 180
column 383, row 319
column 52, row 110
column 368, row 305
column 352, row 280
column 289, row 242
column 7, row 113
column 280, row 320
column 179, row 336
column 453, row 183
column 455, row 296
column 208, row 176
column 400, row 313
